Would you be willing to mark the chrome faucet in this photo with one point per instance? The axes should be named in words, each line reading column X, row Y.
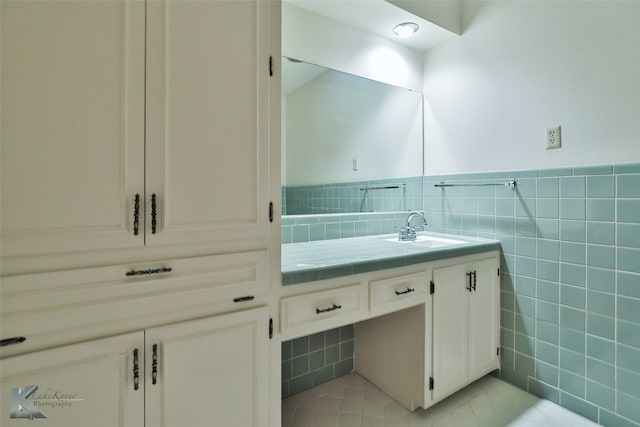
column 408, row 233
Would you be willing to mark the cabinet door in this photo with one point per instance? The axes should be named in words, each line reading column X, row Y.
column 450, row 330
column 88, row 384
column 207, row 120
column 72, row 125
column 210, row 372
column 483, row 319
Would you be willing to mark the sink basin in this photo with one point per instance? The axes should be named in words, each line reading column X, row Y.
column 428, row 241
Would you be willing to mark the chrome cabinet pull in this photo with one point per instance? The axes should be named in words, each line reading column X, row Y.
column 154, row 214
column 154, row 365
column 149, row 271
column 406, row 291
column 136, row 370
column 136, row 214
column 324, row 310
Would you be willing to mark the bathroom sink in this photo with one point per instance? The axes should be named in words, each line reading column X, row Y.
column 428, row 241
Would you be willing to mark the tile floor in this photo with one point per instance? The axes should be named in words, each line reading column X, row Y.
column 352, row 401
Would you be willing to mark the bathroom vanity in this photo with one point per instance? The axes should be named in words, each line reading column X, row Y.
column 426, row 313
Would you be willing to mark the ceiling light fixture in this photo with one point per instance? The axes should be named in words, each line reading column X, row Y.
column 406, row 29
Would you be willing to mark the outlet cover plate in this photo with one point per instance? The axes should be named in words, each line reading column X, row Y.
column 553, row 139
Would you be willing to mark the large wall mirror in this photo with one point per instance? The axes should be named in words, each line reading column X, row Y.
column 350, row 144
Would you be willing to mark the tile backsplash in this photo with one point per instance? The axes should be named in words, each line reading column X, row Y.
column 305, row 228
column 315, row 359
column 570, row 288
column 383, row 195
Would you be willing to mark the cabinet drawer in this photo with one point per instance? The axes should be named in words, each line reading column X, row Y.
column 60, row 307
column 310, row 313
column 398, row 292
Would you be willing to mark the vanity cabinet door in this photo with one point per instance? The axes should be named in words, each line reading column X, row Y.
column 209, row 372
column 450, row 330
column 87, row 384
column 72, row 125
column 207, row 121
column 465, row 324
column 484, row 323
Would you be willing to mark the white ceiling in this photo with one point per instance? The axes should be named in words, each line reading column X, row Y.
column 377, row 17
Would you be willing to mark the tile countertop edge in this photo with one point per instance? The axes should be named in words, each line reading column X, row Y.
column 386, row 262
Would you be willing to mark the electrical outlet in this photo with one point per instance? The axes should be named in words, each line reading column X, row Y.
column 553, row 137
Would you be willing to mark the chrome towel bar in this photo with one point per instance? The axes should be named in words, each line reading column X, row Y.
column 381, row 187
column 511, row 184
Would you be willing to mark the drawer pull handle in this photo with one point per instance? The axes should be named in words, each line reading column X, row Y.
column 154, row 214
column 324, row 310
column 149, row 271
column 406, row 291
column 473, row 277
column 136, row 215
column 154, row 365
column 14, row 340
column 136, row 370
column 243, row 299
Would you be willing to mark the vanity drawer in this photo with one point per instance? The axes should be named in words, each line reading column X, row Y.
column 318, row 311
column 398, row 292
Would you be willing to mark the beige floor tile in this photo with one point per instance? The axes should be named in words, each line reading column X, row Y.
column 352, row 401
column 372, row 422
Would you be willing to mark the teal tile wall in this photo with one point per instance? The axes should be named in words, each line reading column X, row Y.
column 315, row 359
column 306, row 228
column 350, row 197
column 570, row 288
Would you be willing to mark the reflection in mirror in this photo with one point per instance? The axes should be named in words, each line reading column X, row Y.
column 350, row 144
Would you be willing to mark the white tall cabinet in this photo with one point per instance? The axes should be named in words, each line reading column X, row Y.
column 125, row 124
column 139, row 201
column 197, row 373
column 91, row 383
column 72, row 125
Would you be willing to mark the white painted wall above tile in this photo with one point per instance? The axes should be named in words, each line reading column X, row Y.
column 522, row 67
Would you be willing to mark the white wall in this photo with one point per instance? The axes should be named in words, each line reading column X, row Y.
column 317, row 40
column 520, row 67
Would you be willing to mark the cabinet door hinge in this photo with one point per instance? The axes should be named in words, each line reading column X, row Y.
column 433, row 288
column 270, row 327
column 270, row 211
column 270, row 65
column 430, row 383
